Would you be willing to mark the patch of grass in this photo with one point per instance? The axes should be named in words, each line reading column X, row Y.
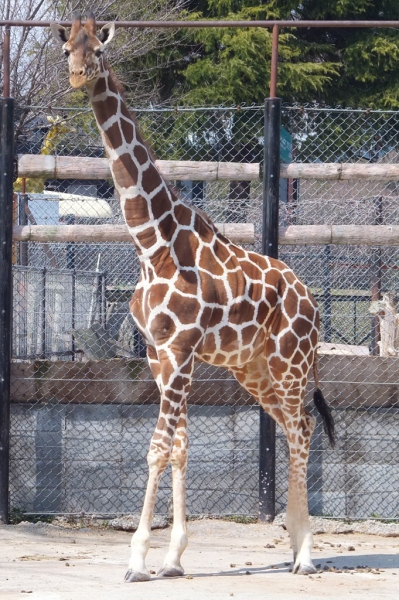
column 246, row 519
column 17, row 516
column 239, row 519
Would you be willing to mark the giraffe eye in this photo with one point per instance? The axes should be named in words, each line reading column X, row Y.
column 66, row 53
column 98, row 53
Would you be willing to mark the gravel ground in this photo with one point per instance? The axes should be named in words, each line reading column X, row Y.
column 224, row 559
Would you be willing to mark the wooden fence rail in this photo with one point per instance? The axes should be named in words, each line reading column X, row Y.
column 77, row 167
column 241, row 233
column 72, row 167
column 346, row 380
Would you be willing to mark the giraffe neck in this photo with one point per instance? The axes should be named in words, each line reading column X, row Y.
column 146, row 201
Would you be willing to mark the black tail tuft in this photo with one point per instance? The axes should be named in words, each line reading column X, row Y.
column 325, row 412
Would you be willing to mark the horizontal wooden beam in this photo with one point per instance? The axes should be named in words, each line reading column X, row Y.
column 341, row 171
column 347, row 382
column 78, row 167
column 351, row 235
column 240, row 233
column 73, row 167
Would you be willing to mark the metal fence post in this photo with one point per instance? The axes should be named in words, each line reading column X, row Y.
column 271, row 182
column 6, row 215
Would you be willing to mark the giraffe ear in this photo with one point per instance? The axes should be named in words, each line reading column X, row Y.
column 59, row 33
column 107, row 33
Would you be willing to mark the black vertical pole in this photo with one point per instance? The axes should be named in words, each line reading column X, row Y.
column 73, row 313
column 271, row 182
column 43, row 315
column 6, row 216
column 23, row 220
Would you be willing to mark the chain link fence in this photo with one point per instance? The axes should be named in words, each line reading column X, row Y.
column 84, row 402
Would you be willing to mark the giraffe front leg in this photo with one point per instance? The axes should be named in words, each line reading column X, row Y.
column 157, row 459
column 174, row 379
column 178, row 543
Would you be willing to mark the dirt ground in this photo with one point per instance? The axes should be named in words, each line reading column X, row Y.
column 223, row 560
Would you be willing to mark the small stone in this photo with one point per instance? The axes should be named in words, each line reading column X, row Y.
column 67, row 564
column 152, row 572
column 248, row 564
column 232, row 564
column 62, row 558
column 270, row 546
column 189, row 577
column 247, row 573
column 351, row 548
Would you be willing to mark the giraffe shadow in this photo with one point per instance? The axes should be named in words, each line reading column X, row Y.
column 340, row 562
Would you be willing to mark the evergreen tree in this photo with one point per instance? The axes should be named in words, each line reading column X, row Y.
column 352, row 67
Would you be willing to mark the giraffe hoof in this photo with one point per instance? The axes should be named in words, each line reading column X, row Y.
column 167, row 571
column 132, row 576
column 304, row 569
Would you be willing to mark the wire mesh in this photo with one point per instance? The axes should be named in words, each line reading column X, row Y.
column 84, row 401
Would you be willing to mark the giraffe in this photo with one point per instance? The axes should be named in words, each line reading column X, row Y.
column 200, row 297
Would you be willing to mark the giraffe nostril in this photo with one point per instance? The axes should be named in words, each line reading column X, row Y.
column 80, row 71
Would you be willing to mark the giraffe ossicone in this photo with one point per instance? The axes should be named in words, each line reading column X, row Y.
column 200, row 297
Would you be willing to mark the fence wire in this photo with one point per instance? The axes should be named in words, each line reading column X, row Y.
column 84, row 401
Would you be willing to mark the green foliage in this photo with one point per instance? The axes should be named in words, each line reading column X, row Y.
column 233, row 65
column 349, row 67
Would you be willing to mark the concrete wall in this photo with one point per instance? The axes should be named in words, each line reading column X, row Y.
column 92, row 458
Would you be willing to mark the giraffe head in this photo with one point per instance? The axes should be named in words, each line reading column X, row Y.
column 83, row 48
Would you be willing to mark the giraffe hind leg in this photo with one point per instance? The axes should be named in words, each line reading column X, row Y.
column 299, row 428
column 284, row 403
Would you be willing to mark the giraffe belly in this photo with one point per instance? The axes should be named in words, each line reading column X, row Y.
column 231, row 352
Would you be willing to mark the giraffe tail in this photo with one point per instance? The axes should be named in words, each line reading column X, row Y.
column 323, row 408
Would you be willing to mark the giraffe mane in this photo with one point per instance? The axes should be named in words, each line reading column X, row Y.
column 119, row 86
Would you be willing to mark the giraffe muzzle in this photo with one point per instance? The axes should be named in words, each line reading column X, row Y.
column 77, row 78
